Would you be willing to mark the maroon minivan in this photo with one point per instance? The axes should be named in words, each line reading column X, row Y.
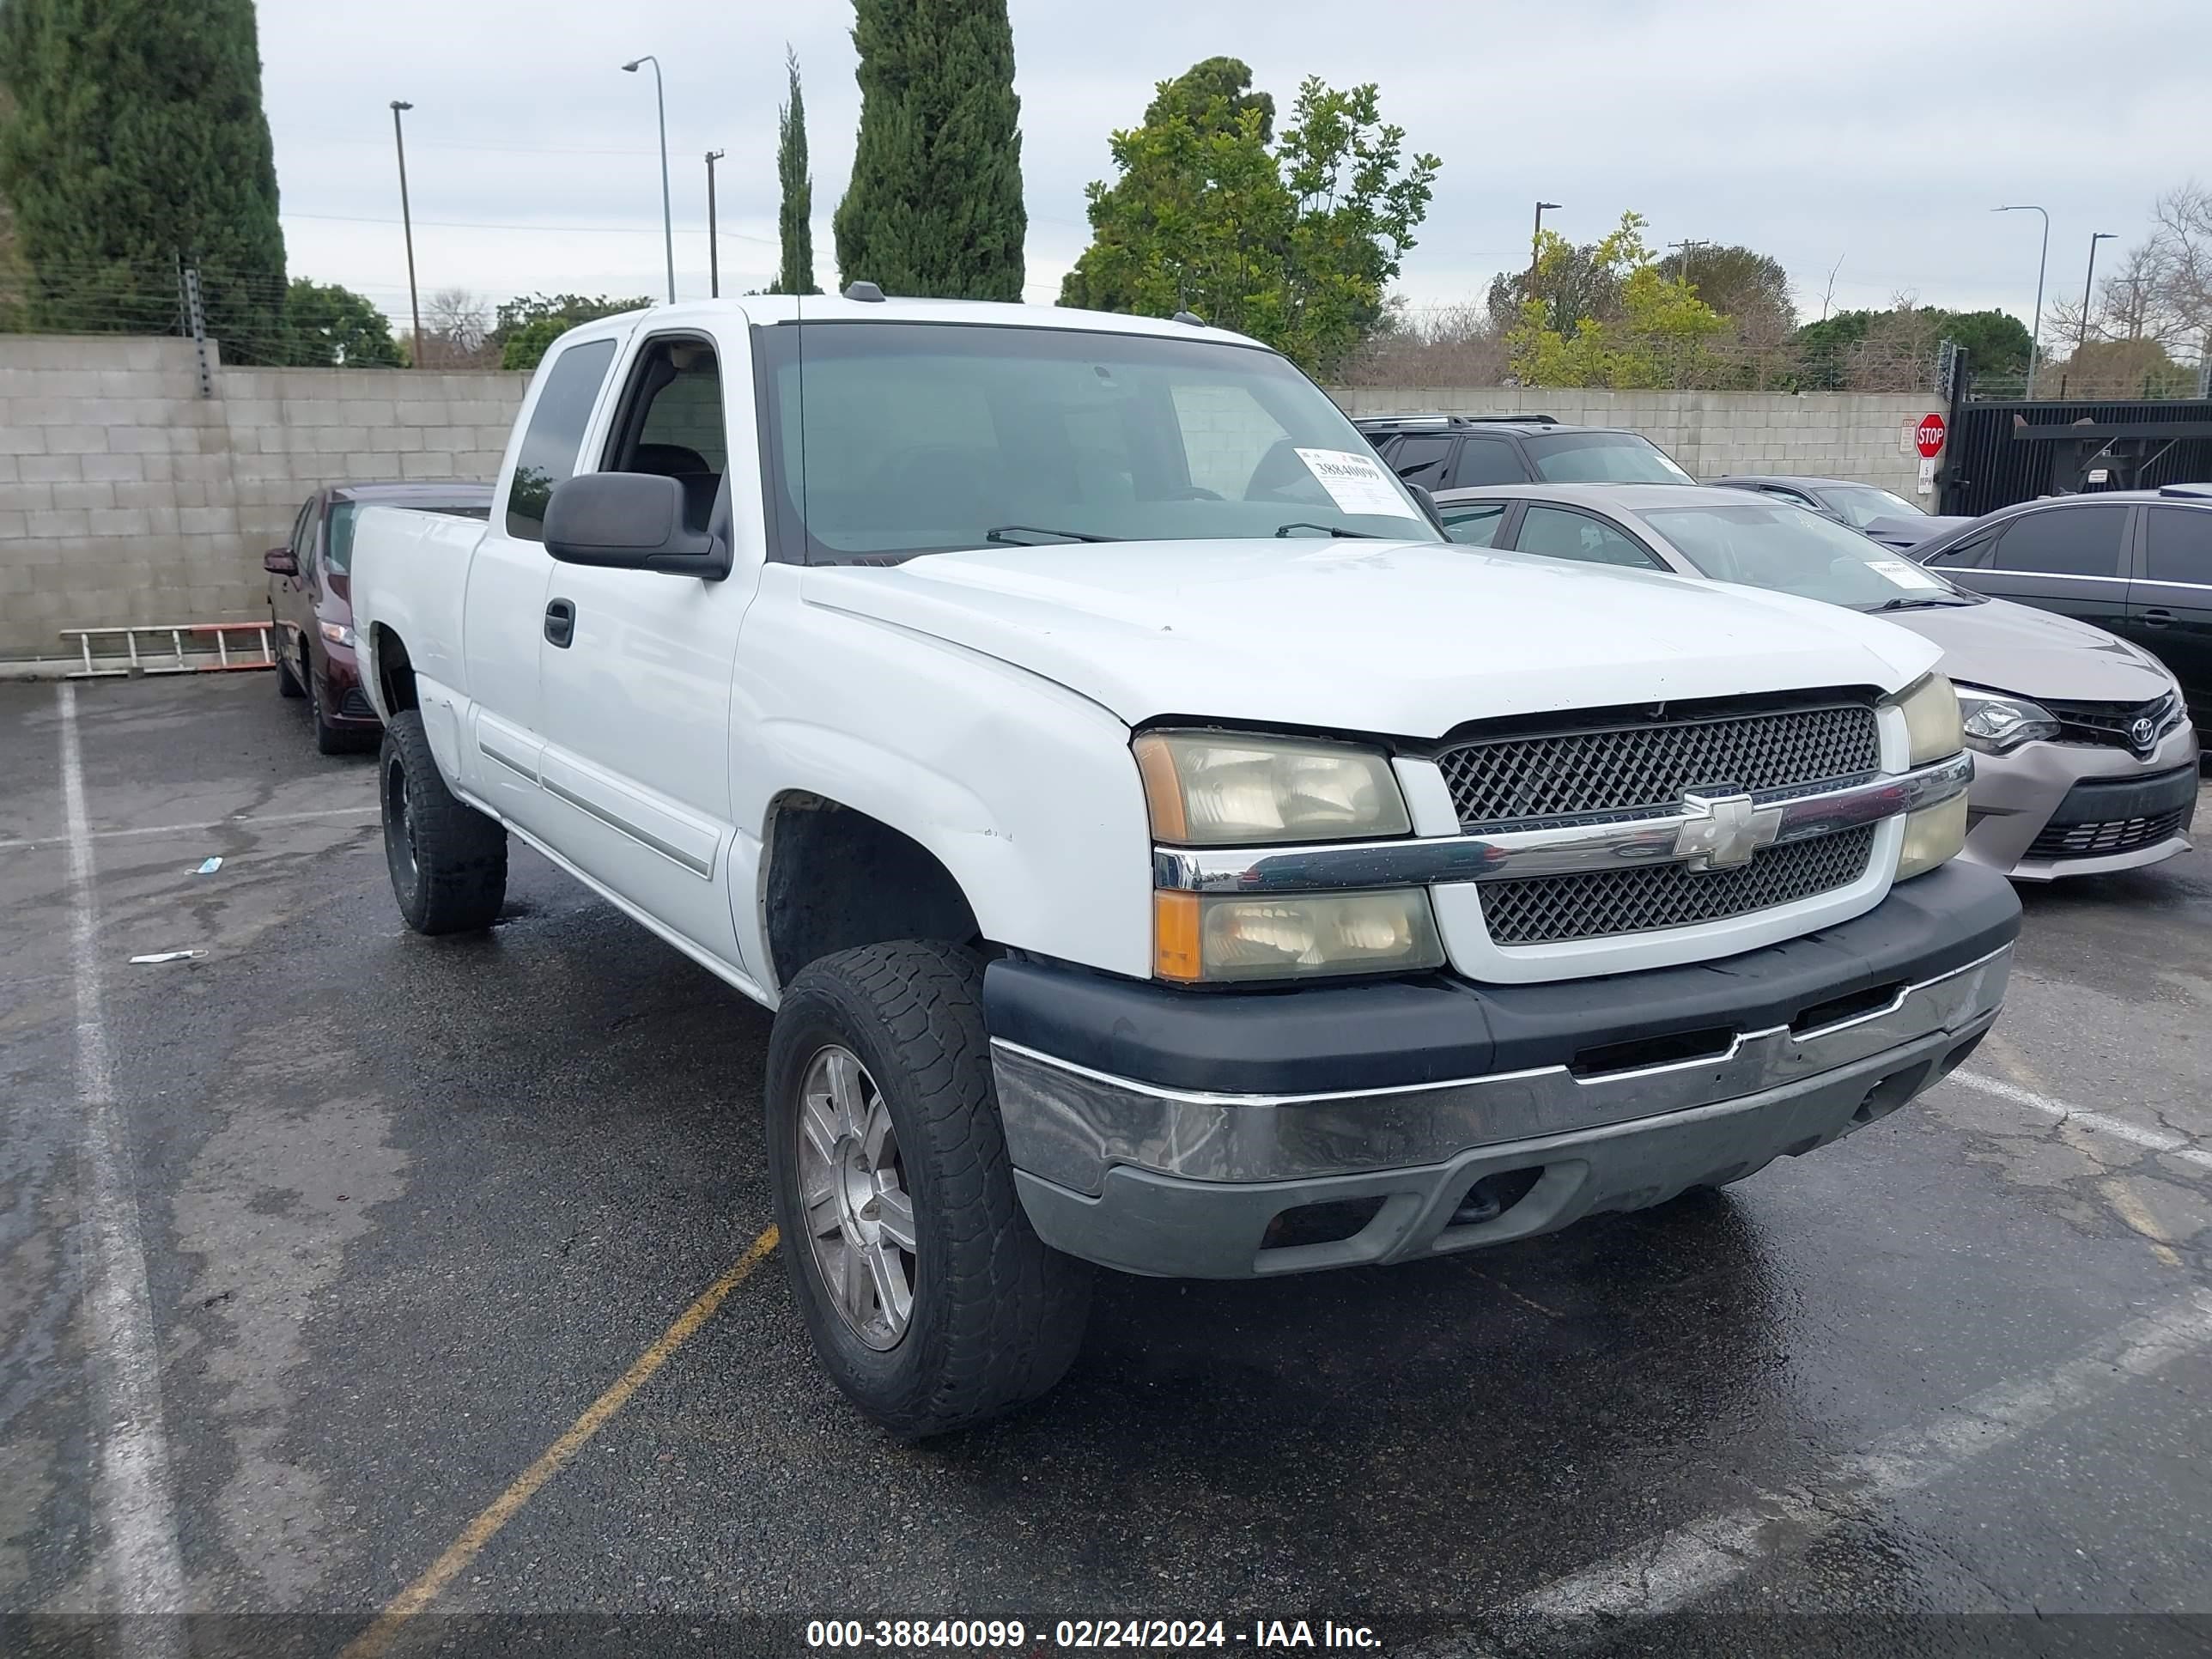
column 311, row 602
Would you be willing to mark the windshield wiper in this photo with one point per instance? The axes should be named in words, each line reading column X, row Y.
column 1903, row 603
column 1336, row 531
column 1007, row 532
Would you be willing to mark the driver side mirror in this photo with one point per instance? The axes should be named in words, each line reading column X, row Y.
column 279, row 562
column 629, row 521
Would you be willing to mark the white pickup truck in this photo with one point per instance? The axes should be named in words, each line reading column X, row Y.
column 1160, row 847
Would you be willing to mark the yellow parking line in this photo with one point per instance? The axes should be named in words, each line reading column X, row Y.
column 481, row 1531
column 2137, row 1215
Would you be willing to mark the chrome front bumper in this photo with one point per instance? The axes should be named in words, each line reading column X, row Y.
column 1186, row 1183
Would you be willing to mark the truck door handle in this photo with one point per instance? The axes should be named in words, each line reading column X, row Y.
column 561, row 623
column 2158, row 617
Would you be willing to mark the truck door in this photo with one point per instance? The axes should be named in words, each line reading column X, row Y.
column 635, row 667
column 504, row 614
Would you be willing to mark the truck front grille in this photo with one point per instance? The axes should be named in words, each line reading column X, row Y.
column 1600, row 904
column 1649, row 765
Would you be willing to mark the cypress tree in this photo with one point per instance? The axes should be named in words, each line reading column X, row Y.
column 795, row 220
column 935, row 205
column 137, row 136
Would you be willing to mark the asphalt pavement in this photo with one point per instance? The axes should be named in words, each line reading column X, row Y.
column 406, row 1209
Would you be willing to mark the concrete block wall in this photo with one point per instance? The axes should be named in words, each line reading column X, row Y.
column 127, row 497
column 1829, row 435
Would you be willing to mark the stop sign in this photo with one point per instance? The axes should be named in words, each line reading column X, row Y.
column 1930, row 437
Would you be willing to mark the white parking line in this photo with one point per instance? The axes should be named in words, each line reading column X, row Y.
column 142, row 1565
column 2156, row 1141
column 1688, row 1562
column 242, row 821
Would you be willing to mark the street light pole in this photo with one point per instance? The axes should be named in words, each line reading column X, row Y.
column 407, row 223
column 1535, row 241
column 2081, row 334
column 714, row 245
column 667, row 218
column 2035, row 338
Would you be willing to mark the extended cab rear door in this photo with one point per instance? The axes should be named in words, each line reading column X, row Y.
column 504, row 614
column 635, row 667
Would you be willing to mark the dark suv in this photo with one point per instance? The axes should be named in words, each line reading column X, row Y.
column 2137, row 562
column 1459, row 452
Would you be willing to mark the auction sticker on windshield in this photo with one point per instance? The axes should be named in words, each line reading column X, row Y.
column 1357, row 484
column 1904, row 572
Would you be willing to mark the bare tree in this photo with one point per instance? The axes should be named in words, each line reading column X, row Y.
column 2162, row 289
column 456, row 329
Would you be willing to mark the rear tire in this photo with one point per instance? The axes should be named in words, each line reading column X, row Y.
column 448, row 862
column 992, row 1317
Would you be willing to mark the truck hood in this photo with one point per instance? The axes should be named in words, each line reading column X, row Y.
column 2004, row 646
column 1404, row 639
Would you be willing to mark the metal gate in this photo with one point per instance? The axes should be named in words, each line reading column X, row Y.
column 1996, row 454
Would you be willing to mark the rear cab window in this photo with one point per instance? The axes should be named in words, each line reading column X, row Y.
column 554, row 437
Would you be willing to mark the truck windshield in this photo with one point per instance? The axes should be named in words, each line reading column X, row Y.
column 1791, row 550
column 893, row 439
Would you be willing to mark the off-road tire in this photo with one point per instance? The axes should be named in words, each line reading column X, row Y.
column 998, row 1316
column 288, row 678
column 448, row 862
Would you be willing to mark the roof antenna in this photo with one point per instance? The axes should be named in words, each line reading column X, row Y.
column 867, row 293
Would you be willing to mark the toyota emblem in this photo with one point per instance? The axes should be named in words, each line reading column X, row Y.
column 2143, row 735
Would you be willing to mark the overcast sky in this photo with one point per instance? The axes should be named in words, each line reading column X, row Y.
column 1874, row 133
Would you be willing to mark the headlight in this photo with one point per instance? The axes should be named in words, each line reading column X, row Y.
column 1933, row 835
column 1996, row 724
column 1204, row 937
column 1216, row 789
column 337, row 633
column 1931, row 720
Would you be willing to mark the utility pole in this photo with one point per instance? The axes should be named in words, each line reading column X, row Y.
column 667, row 217
column 407, row 224
column 714, row 245
column 1536, row 241
column 2035, row 336
column 2081, row 334
column 1688, row 248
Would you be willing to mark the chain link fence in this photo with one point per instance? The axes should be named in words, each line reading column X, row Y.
column 244, row 311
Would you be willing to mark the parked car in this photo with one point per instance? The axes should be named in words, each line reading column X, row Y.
column 310, row 601
column 1456, row 451
column 2137, row 562
column 1160, row 845
column 1882, row 515
column 2085, row 760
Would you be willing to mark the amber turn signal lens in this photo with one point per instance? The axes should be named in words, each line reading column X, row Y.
column 1175, row 953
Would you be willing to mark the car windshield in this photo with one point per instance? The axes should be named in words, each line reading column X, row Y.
column 1860, row 505
column 1602, row 458
column 1775, row 545
column 897, row 439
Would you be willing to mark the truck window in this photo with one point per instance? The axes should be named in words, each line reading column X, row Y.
column 671, row 422
column 555, row 433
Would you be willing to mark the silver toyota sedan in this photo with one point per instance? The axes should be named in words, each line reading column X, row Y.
column 2085, row 760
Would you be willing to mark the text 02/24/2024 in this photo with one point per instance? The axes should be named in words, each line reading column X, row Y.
column 1078, row 1634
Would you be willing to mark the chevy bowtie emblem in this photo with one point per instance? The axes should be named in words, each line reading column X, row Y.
column 1724, row 830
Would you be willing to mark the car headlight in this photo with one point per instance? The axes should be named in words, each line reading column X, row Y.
column 1931, row 720
column 337, row 633
column 1218, row 938
column 1219, row 789
column 1997, row 724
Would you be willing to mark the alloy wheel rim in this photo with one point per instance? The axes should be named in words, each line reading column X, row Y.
column 857, row 1213
column 399, row 809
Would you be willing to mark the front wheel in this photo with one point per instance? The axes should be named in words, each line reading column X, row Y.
column 930, row 1300
column 448, row 862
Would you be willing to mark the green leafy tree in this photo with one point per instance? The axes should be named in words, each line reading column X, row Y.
column 1995, row 341
column 327, row 326
column 795, row 218
column 529, row 324
column 137, row 137
column 1292, row 242
column 1750, row 288
column 935, row 206
column 1658, row 339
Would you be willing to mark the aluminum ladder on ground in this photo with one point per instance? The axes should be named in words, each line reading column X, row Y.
column 173, row 661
